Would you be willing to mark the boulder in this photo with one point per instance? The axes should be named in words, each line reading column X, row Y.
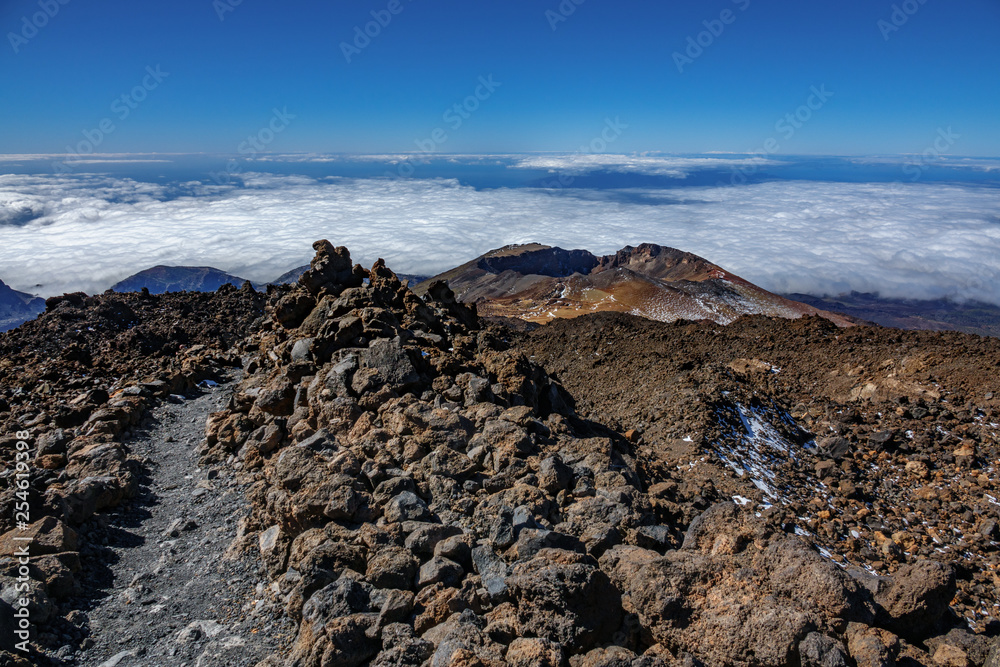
column 296, row 467
column 48, row 535
column 917, row 599
column 391, row 362
column 424, row 538
column 273, row 549
column 612, row 656
column 440, row 570
column 446, row 461
column 78, row 500
column 554, row 475
column 492, row 570
column 392, row 567
column 562, row 596
column 40, row 606
column 277, row 398
column 993, row 659
column 455, row 548
column 302, row 350
column 871, row 647
column 407, row 506
column 400, row 648
column 292, row 309
column 336, row 627
column 56, row 571
column 736, row 593
column 818, row 650
column 462, row 641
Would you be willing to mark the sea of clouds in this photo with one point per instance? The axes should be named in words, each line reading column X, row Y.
column 654, row 165
column 85, row 232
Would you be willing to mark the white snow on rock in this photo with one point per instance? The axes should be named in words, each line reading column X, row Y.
column 757, row 449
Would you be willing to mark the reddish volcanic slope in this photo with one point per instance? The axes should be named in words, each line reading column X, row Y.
column 540, row 283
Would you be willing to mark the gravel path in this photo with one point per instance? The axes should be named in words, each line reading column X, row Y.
column 161, row 591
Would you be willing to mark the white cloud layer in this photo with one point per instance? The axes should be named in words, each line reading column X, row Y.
column 932, row 160
column 85, row 232
column 674, row 167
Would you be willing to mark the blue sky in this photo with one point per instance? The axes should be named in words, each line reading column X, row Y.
column 557, row 81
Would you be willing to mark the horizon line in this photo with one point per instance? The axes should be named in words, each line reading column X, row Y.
column 648, row 153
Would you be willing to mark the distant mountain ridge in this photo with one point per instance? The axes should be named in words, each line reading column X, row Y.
column 973, row 317
column 540, row 283
column 17, row 307
column 160, row 279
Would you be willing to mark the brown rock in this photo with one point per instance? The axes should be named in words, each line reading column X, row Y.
column 872, row 647
column 57, row 573
column 51, row 461
column 734, row 594
column 292, row 309
column 917, row 598
column 562, row 596
column 612, row 656
column 951, row 656
column 534, row 652
column 392, row 567
column 435, row 602
column 917, row 469
column 277, row 397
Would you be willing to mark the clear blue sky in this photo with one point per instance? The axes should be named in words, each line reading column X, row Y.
column 608, row 59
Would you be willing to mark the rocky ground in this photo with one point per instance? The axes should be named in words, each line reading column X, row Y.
column 882, row 446
column 421, row 488
column 163, row 590
column 81, row 381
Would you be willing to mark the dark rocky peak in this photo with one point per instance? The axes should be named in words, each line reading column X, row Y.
column 661, row 262
column 538, row 260
column 440, row 294
column 331, row 270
